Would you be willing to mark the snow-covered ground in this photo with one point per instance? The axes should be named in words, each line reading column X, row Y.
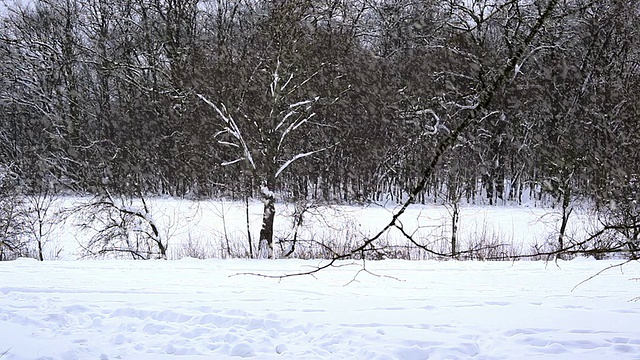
column 206, row 309
column 202, row 228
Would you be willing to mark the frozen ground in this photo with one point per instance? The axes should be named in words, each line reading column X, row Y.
column 201, row 309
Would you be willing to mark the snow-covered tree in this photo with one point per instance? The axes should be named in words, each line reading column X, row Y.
column 265, row 149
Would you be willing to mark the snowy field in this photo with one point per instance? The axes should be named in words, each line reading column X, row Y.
column 205, row 229
column 206, row 309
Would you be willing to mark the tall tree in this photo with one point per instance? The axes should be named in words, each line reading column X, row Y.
column 275, row 102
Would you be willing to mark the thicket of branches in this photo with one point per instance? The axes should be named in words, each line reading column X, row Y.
column 353, row 98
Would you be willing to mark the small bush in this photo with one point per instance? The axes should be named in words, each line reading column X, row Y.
column 13, row 220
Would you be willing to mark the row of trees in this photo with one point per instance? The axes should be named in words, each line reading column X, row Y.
column 326, row 99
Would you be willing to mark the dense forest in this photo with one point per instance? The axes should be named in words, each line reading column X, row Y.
column 339, row 101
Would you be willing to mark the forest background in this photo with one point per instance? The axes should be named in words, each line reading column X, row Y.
column 477, row 102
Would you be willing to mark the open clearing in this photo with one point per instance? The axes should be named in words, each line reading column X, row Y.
column 206, row 229
column 202, row 309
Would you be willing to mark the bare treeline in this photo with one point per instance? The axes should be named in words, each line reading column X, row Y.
column 352, row 97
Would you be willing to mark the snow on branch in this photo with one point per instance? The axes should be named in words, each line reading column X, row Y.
column 273, row 87
column 233, row 129
column 228, row 143
column 305, row 102
column 287, row 83
column 435, row 127
column 293, row 111
column 276, row 79
column 293, row 126
column 299, row 156
column 225, row 163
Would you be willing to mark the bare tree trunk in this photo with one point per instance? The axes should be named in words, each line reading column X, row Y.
column 40, row 240
column 455, row 216
column 266, row 232
column 566, row 212
column 246, row 204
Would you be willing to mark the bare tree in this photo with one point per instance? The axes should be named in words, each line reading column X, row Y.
column 122, row 226
column 13, row 222
column 476, row 105
column 264, row 153
column 40, row 212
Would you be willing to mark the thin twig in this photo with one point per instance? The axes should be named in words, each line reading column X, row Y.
column 330, row 264
column 364, row 269
column 602, row 271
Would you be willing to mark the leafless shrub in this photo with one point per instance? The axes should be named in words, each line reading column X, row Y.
column 318, row 245
column 193, row 247
column 545, row 250
column 488, row 244
column 121, row 227
column 13, row 242
column 41, row 217
column 317, row 231
column 621, row 222
column 13, row 222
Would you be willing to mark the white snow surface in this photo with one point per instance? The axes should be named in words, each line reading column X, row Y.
column 206, row 225
column 210, row 309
